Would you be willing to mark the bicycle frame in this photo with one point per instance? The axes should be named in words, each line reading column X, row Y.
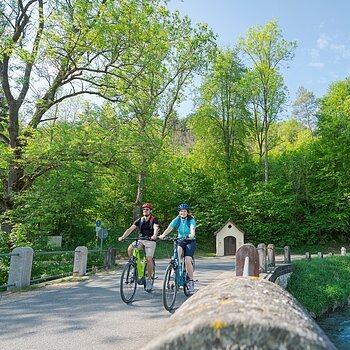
column 180, row 266
column 175, row 277
column 134, row 273
column 140, row 263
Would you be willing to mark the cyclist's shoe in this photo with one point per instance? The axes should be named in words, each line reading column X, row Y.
column 191, row 286
column 149, row 285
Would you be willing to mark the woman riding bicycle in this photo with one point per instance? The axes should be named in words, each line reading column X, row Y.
column 148, row 230
column 186, row 227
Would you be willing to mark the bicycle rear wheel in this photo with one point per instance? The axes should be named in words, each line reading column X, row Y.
column 128, row 282
column 170, row 286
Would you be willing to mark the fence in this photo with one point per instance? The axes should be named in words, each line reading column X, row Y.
column 251, row 261
column 21, row 265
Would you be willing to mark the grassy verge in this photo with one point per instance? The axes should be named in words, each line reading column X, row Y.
column 321, row 285
column 325, row 249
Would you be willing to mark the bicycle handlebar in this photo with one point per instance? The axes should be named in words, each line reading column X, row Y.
column 175, row 239
column 137, row 239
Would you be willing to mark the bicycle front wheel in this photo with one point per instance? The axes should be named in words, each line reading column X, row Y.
column 170, row 286
column 128, row 282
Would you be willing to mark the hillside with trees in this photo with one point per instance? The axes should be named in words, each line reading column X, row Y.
column 89, row 128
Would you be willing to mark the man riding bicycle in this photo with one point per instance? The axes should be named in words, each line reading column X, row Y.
column 148, row 227
column 186, row 227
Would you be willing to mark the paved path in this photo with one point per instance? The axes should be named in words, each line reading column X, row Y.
column 91, row 314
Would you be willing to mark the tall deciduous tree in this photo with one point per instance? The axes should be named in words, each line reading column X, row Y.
column 176, row 52
column 267, row 50
column 222, row 103
column 305, row 108
column 54, row 50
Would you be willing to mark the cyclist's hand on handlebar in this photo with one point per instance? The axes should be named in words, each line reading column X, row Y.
column 121, row 238
column 154, row 238
column 161, row 237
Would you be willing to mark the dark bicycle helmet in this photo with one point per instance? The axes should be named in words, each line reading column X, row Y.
column 183, row 207
column 147, row 205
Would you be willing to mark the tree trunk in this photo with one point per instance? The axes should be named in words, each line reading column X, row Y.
column 139, row 196
column 266, row 150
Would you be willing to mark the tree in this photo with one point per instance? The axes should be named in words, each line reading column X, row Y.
column 222, row 104
column 305, row 108
column 177, row 51
column 55, row 50
column 267, row 50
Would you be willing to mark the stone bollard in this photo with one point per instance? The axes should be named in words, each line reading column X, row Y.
column 240, row 313
column 247, row 250
column 262, row 258
column 80, row 261
column 320, row 255
column 20, row 268
column 286, row 251
column 271, row 255
column 343, row 251
column 308, row 256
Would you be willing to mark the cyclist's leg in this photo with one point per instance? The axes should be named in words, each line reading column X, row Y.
column 150, row 247
column 180, row 249
column 190, row 248
column 132, row 247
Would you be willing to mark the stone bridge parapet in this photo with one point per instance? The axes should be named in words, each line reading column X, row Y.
column 241, row 313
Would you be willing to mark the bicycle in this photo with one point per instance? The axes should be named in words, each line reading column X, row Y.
column 134, row 272
column 175, row 277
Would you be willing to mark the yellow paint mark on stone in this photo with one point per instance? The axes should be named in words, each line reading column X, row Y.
column 219, row 324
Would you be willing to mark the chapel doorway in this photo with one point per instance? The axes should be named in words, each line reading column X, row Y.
column 229, row 245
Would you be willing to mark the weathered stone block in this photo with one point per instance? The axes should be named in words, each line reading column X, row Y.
column 241, row 313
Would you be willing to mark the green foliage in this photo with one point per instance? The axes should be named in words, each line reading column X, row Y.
column 84, row 163
column 326, row 278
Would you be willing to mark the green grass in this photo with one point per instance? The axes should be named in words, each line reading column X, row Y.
column 325, row 249
column 321, row 285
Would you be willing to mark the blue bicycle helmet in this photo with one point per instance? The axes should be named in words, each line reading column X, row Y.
column 183, row 207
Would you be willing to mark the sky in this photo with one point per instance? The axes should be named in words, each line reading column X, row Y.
column 321, row 29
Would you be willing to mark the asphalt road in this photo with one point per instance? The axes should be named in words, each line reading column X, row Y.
column 90, row 314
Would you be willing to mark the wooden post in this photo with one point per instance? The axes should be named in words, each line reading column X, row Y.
column 320, row 255
column 287, row 259
column 247, row 250
column 343, row 251
column 262, row 258
column 271, row 255
column 110, row 257
column 307, row 256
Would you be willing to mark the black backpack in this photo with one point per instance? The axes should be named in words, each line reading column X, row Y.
column 151, row 220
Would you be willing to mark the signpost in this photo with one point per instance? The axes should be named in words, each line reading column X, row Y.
column 101, row 233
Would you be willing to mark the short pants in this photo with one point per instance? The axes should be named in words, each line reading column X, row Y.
column 150, row 246
column 188, row 246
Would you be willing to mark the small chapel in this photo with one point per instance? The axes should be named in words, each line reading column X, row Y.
column 228, row 239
